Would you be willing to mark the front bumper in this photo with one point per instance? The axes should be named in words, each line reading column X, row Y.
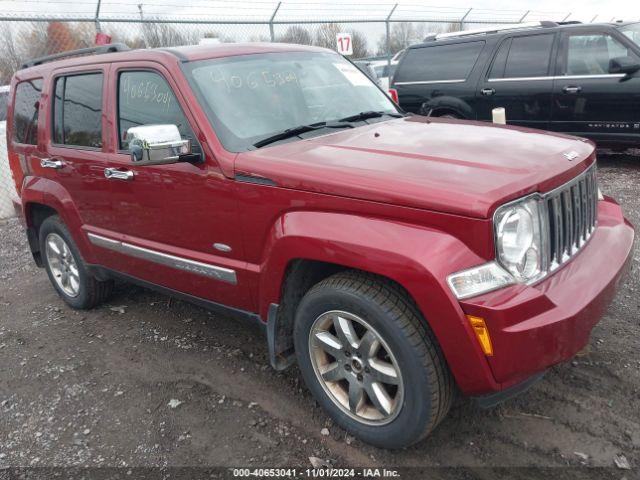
column 535, row 327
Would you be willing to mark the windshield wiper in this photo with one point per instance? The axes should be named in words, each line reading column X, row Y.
column 369, row 114
column 295, row 131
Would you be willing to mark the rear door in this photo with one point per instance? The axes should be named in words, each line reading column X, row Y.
column 519, row 79
column 587, row 99
column 440, row 76
column 74, row 155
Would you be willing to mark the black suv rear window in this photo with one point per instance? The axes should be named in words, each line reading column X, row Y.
column 25, row 112
column 77, row 110
column 444, row 62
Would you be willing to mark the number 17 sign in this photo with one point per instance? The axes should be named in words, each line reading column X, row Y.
column 343, row 42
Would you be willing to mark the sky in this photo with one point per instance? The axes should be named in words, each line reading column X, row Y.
column 583, row 10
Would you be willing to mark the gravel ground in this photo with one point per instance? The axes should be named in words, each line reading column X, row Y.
column 150, row 381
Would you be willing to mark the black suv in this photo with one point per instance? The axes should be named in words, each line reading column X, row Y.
column 581, row 79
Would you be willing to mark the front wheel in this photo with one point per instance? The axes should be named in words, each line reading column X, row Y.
column 370, row 360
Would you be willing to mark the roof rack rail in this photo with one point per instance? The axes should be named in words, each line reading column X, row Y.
column 488, row 31
column 109, row 48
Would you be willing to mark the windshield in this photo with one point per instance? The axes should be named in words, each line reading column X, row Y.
column 632, row 31
column 251, row 97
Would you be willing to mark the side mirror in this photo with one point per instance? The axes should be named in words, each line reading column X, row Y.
column 626, row 65
column 157, row 145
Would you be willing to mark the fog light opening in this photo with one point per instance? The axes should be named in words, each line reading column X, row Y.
column 482, row 334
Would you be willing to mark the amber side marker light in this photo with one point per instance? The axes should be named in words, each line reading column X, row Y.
column 482, row 334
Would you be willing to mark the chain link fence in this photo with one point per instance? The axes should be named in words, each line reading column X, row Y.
column 29, row 29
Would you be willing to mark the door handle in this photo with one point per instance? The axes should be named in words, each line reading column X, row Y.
column 115, row 174
column 51, row 163
column 572, row 90
column 487, row 92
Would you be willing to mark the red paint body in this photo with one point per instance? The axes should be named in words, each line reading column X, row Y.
column 413, row 203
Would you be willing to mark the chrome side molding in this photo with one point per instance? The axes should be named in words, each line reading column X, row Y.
column 206, row 270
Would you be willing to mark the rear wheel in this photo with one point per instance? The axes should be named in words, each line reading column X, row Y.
column 371, row 361
column 67, row 270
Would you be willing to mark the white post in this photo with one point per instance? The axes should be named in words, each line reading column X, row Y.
column 499, row 116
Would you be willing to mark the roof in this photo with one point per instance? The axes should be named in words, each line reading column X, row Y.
column 514, row 28
column 172, row 54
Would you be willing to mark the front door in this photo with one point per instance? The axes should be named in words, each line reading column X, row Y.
column 518, row 79
column 587, row 99
column 174, row 225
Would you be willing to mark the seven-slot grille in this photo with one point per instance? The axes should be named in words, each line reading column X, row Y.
column 572, row 211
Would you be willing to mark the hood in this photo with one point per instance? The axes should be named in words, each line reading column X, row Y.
column 460, row 167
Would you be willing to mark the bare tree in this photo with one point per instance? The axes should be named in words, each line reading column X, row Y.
column 296, row 34
column 222, row 38
column 10, row 58
column 326, row 35
column 259, row 38
column 359, row 43
column 164, row 35
column 401, row 36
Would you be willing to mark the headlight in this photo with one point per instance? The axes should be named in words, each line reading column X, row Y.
column 519, row 252
column 519, row 239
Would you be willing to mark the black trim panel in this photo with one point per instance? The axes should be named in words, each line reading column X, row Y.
column 102, row 272
column 280, row 360
column 255, row 180
column 492, row 399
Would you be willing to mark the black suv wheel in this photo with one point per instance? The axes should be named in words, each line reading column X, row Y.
column 66, row 268
column 371, row 361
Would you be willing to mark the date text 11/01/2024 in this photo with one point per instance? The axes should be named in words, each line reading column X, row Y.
column 316, row 473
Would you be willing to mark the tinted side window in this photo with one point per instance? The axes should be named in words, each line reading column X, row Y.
column 529, row 56
column 590, row 54
column 77, row 110
column 446, row 62
column 25, row 112
column 145, row 98
column 500, row 60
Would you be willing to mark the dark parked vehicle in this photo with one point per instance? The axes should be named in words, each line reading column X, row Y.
column 366, row 68
column 580, row 79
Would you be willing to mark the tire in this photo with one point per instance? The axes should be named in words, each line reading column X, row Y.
column 80, row 290
column 448, row 115
column 419, row 388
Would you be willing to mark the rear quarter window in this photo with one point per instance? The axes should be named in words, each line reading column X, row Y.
column 25, row 112
column 438, row 63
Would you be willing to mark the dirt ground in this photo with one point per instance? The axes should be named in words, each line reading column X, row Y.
column 94, row 388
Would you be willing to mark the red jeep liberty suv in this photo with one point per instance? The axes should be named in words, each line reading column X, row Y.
column 396, row 258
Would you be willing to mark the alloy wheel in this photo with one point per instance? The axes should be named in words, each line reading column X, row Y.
column 62, row 265
column 356, row 367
